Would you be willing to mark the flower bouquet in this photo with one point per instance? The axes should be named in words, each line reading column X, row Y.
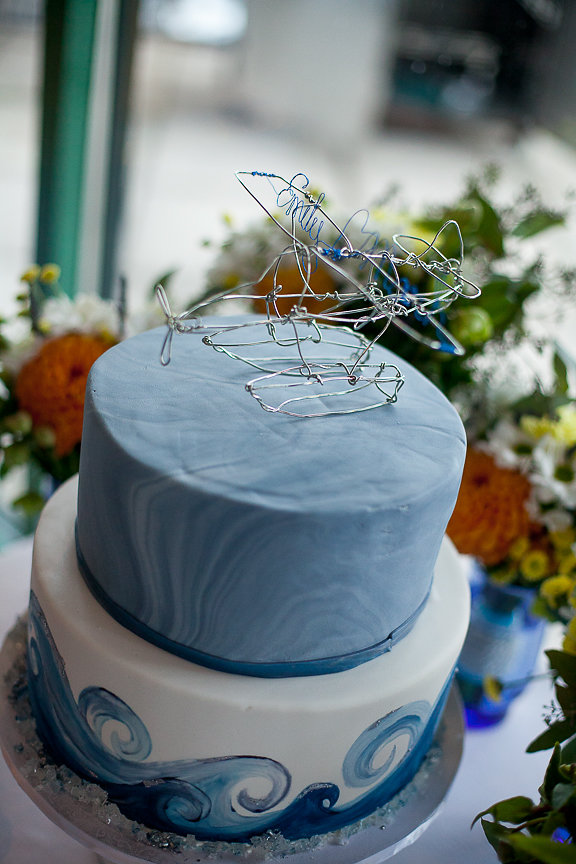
column 46, row 350
column 516, row 514
column 514, row 281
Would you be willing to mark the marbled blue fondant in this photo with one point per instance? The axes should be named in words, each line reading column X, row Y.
column 103, row 740
column 251, row 541
column 276, row 669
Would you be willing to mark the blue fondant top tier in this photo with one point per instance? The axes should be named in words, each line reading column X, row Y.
column 253, row 541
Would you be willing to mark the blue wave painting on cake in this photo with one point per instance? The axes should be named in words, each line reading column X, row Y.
column 103, row 740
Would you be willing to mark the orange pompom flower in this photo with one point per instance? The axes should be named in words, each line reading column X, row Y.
column 490, row 514
column 50, row 386
column 289, row 277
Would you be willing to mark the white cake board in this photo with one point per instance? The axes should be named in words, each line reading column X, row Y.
column 117, row 842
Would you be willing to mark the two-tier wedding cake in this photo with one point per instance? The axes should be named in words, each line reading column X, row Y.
column 241, row 620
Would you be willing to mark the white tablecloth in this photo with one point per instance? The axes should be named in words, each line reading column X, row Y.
column 494, row 766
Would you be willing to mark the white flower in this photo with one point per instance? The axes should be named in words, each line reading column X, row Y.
column 508, row 374
column 510, row 445
column 19, row 352
column 60, row 315
column 85, row 314
column 17, row 329
column 556, row 520
column 549, row 461
column 245, row 256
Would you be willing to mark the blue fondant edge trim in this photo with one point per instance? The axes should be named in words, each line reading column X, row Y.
column 265, row 669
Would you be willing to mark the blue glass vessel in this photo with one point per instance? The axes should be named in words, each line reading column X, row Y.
column 503, row 642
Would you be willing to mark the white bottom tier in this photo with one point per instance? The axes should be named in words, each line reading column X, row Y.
column 184, row 748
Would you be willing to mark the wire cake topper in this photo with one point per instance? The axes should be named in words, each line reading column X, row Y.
column 368, row 289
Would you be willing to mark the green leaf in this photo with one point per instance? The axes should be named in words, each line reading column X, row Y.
column 566, row 698
column 16, row 454
column 544, row 849
column 562, row 794
column 164, row 279
column 569, row 752
column 541, row 609
column 561, row 373
column 554, row 820
column 536, row 222
column 503, row 299
column 568, row 772
column 30, row 504
column 552, row 776
column 490, row 230
column 555, row 734
column 515, row 810
column 536, row 403
column 498, row 835
column 564, row 664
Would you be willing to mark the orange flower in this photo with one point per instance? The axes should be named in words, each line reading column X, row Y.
column 289, row 278
column 490, row 513
column 51, row 385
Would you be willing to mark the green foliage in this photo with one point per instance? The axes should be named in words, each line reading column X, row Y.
column 30, row 504
column 563, row 668
column 498, row 257
column 541, row 849
column 493, row 237
column 522, row 831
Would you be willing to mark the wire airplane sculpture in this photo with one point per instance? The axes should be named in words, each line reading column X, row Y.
column 370, row 292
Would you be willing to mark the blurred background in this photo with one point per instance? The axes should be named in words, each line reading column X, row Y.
column 121, row 123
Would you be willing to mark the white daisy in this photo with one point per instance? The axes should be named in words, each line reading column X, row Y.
column 510, row 445
column 86, row 313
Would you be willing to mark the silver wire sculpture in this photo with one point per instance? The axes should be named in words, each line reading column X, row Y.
column 368, row 290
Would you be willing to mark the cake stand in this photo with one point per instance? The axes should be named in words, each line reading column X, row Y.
column 80, row 809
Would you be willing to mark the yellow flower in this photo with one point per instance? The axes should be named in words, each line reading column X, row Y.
column 504, row 575
column 44, row 326
column 31, row 274
column 562, row 430
column 569, row 643
column 538, row 427
column 556, row 590
column 230, row 281
column 563, row 540
column 567, row 563
column 519, row 548
column 534, row 565
column 492, row 688
column 565, row 428
column 49, row 273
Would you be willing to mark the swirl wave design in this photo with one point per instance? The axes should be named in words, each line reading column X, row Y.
column 103, row 740
column 402, row 726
